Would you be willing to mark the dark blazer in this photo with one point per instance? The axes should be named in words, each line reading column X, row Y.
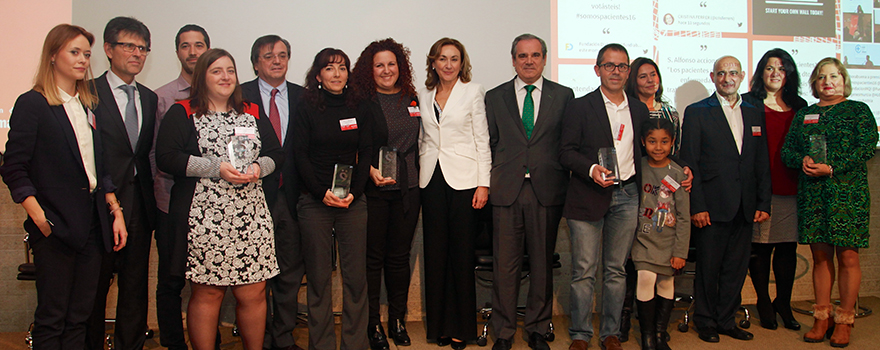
column 512, row 152
column 585, row 129
column 121, row 159
column 726, row 180
column 251, row 92
column 42, row 160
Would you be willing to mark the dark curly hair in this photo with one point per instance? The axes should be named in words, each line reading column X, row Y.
column 313, row 96
column 361, row 78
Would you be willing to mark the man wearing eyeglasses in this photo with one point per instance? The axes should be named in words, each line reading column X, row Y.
column 724, row 138
column 602, row 212
column 190, row 43
column 278, row 99
column 126, row 113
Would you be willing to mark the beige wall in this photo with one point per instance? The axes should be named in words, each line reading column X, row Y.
column 18, row 298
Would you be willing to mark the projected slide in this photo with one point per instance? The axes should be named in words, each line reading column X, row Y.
column 685, row 37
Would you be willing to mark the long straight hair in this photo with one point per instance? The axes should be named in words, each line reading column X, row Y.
column 44, row 80
column 199, row 90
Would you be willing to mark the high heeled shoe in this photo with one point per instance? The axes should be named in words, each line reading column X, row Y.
column 784, row 312
column 821, row 315
column 767, row 314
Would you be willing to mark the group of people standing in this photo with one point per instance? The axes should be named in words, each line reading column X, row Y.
column 241, row 184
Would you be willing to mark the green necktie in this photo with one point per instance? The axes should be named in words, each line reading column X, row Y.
column 528, row 113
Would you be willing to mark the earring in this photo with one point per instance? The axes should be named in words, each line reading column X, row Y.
column 53, row 63
column 319, row 86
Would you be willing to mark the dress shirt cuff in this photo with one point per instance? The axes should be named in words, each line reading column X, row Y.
column 591, row 170
column 267, row 166
column 203, row 167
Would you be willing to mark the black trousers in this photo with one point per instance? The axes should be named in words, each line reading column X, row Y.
column 168, row 288
column 132, row 266
column 450, row 296
column 282, row 290
column 524, row 227
column 66, row 284
column 723, row 250
column 390, row 232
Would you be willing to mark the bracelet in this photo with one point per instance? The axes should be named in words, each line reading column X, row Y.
column 832, row 171
column 114, row 210
column 110, row 204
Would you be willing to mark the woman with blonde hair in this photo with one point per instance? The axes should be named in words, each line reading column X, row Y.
column 53, row 168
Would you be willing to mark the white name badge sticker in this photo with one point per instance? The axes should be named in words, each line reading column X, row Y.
column 250, row 132
column 414, row 111
column 670, row 183
column 811, row 119
column 348, row 124
column 756, row 130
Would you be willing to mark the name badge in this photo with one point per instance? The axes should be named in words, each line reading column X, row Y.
column 91, row 117
column 348, row 124
column 756, row 130
column 811, row 119
column 620, row 132
column 670, row 183
column 250, row 132
column 414, row 111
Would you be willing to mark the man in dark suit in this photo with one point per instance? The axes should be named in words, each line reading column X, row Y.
column 602, row 216
column 724, row 139
column 528, row 190
column 127, row 110
column 278, row 100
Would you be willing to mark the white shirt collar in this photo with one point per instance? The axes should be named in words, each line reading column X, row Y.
column 115, row 81
column 725, row 103
column 265, row 87
column 65, row 97
column 625, row 102
column 519, row 84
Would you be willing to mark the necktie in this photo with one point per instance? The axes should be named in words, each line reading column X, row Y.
column 528, row 113
column 275, row 117
column 131, row 116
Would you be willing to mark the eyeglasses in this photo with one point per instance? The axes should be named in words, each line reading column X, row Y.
column 129, row 47
column 609, row 67
column 281, row 56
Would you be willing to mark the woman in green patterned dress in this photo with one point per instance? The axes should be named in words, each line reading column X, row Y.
column 833, row 197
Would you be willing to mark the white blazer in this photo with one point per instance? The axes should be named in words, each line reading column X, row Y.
column 460, row 140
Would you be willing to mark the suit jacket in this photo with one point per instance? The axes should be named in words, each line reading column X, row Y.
column 43, row 160
column 513, row 153
column 121, row 160
column 585, row 129
column 459, row 141
column 290, row 190
column 726, row 180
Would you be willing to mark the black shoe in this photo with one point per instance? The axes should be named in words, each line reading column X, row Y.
column 458, row 345
column 397, row 331
column 708, row 334
column 784, row 312
column 537, row 342
column 647, row 316
column 625, row 324
column 502, row 344
column 444, row 340
column 378, row 340
column 737, row 333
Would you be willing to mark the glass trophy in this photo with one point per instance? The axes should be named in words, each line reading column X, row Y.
column 818, row 150
column 608, row 160
column 341, row 180
column 241, row 152
column 388, row 162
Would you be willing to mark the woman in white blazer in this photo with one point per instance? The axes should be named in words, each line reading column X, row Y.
column 455, row 160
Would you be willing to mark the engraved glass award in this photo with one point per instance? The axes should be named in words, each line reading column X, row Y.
column 818, row 149
column 341, row 180
column 608, row 160
column 241, row 152
column 388, row 162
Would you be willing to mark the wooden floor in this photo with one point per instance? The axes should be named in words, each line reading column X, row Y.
column 866, row 335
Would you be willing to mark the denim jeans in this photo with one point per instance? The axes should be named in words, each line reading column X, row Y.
column 613, row 237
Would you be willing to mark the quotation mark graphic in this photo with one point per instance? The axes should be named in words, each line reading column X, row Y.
column 606, row 30
column 703, row 47
column 645, row 51
column 703, row 4
column 739, row 24
column 794, row 51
